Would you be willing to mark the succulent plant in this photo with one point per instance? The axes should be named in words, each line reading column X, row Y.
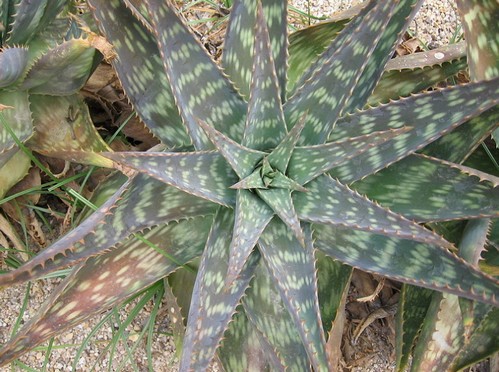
column 44, row 63
column 272, row 187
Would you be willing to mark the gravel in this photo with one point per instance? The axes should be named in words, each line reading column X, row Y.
column 434, row 26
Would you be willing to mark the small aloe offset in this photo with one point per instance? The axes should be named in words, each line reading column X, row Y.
column 44, row 63
column 266, row 183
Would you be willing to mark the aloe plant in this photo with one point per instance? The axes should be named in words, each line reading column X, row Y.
column 269, row 186
column 44, row 63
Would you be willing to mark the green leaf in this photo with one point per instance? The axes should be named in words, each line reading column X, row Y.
column 307, row 44
column 18, row 118
column 330, row 202
column 412, row 308
column 407, row 261
column 200, row 88
column 430, row 114
column 13, row 170
column 26, row 20
column 293, row 271
column 139, row 66
column 330, row 296
column 391, row 33
column 446, row 192
column 265, row 309
column 239, row 49
column 252, row 216
column 14, row 62
column 442, row 335
column 309, row 162
column 132, row 208
column 69, row 249
column 62, row 70
column 328, row 88
column 280, row 156
column 280, row 201
column 479, row 24
column 65, row 130
column 213, row 304
column 179, row 286
column 107, row 280
column 242, row 159
column 485, row 336
column 265, row 125
column 445, row 331
column 245, row 349
column 416, row 72
column 205, row 174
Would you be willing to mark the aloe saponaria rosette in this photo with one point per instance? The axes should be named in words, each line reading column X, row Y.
column 258, row 182
column 44, row 62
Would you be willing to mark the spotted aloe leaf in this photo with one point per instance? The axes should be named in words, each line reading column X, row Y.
column 328, row 86
column 130, row 209
column 413, row 73
column 309, row 162
column 398, row 258
column 307, row 44
column 486, row 336
column 239, row 52
column 244, row 348
column 252, row 215
column 331, row 297
column 393, row 32
column 207, row 323
column 164, row 166
column 439, row 184
column 108, row 279
column 28, row 20
column 267, row 312
column 412, row 309
column 458, row 326
column 293, row 270
column 478, row 19
column 155, row 104
column 185, row 61
column 281, row 304
column 437, row 106
column 64, row 130
column 265, row 126
column 346, row 208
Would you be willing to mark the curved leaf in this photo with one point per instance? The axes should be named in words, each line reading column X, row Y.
column 211, row 98
column 140, row 69
column 407, row 261
column 239, row 49
column 293, row 271
column 107, row 280
column 213, row 304
column 61, row 70
column 64, row 130
column 14, row 62
column 330, row 202
column 132, row 208
column 445, row 191
column 208, row 175
column 430, row 115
